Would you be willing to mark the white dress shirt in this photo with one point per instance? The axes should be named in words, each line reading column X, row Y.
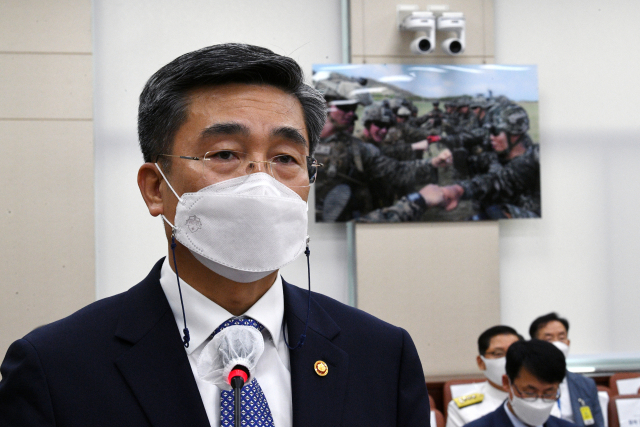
column 273, row 371
column 564, row 403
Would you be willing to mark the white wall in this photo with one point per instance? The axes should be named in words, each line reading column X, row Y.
column 46, row 167
column 132, row 40
column 580, row 259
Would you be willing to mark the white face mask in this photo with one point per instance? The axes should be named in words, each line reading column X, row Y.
column 532, row 413
column 243, row 228
column 564, row 348
column 496, row 368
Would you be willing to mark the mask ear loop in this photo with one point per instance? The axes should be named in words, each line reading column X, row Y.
column 306, row 324
column 186, row 338
column 168, row 183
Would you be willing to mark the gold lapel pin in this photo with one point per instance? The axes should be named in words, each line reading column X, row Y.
column 321, row 368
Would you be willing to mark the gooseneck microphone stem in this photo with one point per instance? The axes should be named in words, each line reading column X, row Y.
column 237, row 401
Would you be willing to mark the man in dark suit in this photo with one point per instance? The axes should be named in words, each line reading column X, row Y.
column 579, row 402
column 534, row 371
column 225, row 132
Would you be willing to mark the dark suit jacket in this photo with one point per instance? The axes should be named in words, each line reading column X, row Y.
column 499, row 418
column 120, row 362
column 581, row 387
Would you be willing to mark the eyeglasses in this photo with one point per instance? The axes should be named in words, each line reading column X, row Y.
column 532, row 396
column 293, row 170
column 346, row 107
column 382, row 125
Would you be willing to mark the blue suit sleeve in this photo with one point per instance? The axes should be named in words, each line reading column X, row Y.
column 413, row 400
column 24, row 393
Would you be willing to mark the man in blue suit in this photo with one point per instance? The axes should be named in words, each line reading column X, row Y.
column 226, row 133
column 534, row 371
column 579, row 401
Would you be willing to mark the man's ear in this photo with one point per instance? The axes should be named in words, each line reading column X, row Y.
column 481, row 364
column 505, row 382
column 149, row 180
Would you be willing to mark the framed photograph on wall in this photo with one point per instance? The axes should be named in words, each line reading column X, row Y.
column 428, row 143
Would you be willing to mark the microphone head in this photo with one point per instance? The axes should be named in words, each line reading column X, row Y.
column 238, row 376
column 235, row 347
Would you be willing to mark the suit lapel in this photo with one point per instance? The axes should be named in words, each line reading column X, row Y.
column 574, row 393
column 502, row 419
column 317, row 400
column 156, row 366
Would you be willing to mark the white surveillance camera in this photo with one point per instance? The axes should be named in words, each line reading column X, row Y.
column 421, row 46
column 421, row 22
column 453, row 22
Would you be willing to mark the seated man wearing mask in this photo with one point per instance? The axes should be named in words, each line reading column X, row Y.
column 579, row 395
column 226, row 133
column 492, row 348
column 534, row 371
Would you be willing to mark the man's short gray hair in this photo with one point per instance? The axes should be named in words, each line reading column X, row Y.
column 164, row 100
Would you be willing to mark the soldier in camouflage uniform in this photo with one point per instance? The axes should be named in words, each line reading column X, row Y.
column 512, row 191
column 471, row 148
column 377, row 119
column 406, row 128
column 381, row 129
column 451, row 117
column 478, row 106
column 432, row 121
column 352, row 173
column 509, row 191
column 466, row 120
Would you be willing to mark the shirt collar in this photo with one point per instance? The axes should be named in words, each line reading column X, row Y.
column 204, row 315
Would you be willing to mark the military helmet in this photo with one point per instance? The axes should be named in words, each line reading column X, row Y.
column 478, row 101
column 395, row 103
column 377, row 112
column 403, row 112
column 463, row 101
column 513, row 119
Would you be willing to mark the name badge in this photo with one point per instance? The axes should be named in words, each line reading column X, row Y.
column 587, row 417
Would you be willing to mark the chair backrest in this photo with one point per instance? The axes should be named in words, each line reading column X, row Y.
column 624, row 410
column 455, row 388
column 624, row 383
column 432, row 403
column 604, row 396
column 437, row 419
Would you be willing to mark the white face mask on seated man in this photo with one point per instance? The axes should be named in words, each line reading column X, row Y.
column 535, row 370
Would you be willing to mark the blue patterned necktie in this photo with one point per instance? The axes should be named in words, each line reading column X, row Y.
column 255, row 409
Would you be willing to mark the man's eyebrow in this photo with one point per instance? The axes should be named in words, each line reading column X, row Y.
column 230, row 128
column 292, row 134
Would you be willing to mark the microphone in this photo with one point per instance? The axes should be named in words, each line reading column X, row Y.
column 235, row 347
column 237, row 379
column 229, row 359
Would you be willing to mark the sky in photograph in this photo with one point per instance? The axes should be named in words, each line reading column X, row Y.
column 517, row 82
